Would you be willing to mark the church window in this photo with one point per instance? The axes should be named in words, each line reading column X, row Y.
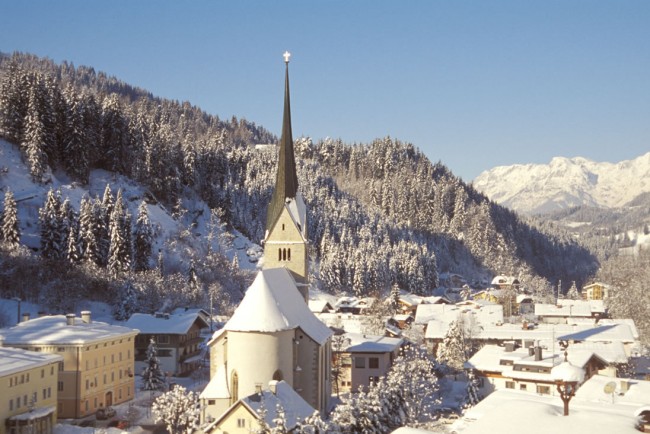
column 277, row 375
column 288, row 254
column 234, row 388
column 282, row 226
column 279, row 254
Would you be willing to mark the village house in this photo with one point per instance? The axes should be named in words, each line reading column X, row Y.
column 177, row 337
column 362, row 359
column 97, row 368
column 245, row 415
column 595, row 291
column 529, row 369
column 29, row 378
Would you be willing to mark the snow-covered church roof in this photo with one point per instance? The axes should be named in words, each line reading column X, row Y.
column 273, row 303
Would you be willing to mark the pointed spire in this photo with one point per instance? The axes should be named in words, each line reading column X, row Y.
column 286, row 181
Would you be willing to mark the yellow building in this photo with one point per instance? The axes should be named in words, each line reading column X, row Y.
column 29, row 380
column 98, row 358
column 595, row 291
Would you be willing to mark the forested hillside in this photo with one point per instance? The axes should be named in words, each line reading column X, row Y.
column 380, row 213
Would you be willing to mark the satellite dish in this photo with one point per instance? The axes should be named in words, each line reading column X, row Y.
column 610, row 387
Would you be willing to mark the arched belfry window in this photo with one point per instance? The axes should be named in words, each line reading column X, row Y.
column 277, row 375
column 288, row 254
column 279, row 254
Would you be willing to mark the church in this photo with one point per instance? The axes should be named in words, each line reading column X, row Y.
column 273, row 336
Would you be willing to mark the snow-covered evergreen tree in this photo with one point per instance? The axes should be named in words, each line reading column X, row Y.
column 473, row 390
column 9, row 229
column 573, row 293
column 126, row 303
column 451, row 351
column 88, row 242
column 49, row 219
column 73, row 250
column 178, row 409
column 152, row 376
column 394, row 296
column 119, row 252
column 143, row 239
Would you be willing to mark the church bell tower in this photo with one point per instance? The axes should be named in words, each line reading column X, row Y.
column 285, row 241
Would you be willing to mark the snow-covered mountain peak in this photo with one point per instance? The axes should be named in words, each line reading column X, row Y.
column 566, row 182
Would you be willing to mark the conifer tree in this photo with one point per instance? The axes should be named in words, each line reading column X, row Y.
column 127, row 302
column 9, row 228
column 119, row 253
column 143, row 239
column 153, row 377
column 573, row 293
column 34, row 141
column 51, row 247
column 73, row 253
column 451, row 350
column 88, row 243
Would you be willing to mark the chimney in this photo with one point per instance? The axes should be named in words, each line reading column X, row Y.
column 531, row 351
column 85, row 317
column 538, row 353
column 25, row 317
column 69, row 319
column 41, row 313
column 273, row 386
column 510, row 346
column 258, row 388
column 625, row 386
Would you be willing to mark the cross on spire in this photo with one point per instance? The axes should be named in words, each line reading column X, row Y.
column 286, row 55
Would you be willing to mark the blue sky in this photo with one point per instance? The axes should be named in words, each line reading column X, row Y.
column 474, row 84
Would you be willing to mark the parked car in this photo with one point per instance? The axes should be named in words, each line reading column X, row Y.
column 105, row 413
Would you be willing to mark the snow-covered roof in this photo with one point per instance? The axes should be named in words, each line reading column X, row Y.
column 360, row 343
column 178, row 322
column 585, row 331
column 570, row 308
column 319, row 305
column 54, row 329
column 218, row 385
column 504, row 280
column 34, row 414
column 273, row 303
column 627, row 391
column 509, row 411
column 346, row 321
column 609, row 332
column 408, row 430
column 566, row 371
column 296, row 409
column 13, row 360
column 446, row 313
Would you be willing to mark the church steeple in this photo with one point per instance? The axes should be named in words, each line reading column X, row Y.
column 286, row 181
